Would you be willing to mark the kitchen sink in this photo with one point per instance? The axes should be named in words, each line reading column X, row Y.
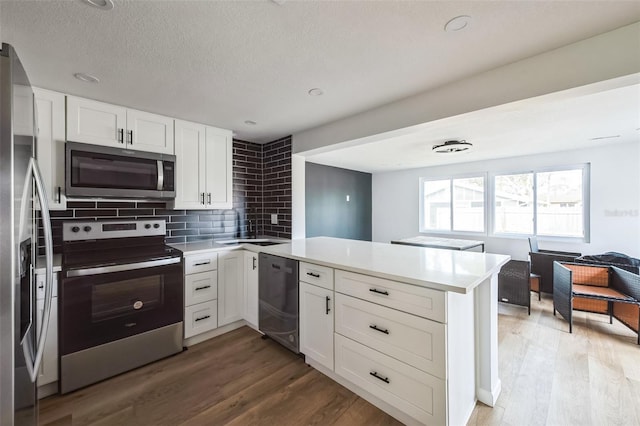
column 254, row 241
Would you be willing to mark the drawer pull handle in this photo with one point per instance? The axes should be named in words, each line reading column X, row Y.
column 203, row 318
column 383, row 292
column 381, row 330
column 313, row 274
column 375, row 374
column 203, row 287
column 274, row 266
column 202, row 263
column 327, row 305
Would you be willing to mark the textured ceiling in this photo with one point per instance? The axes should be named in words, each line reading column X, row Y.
column 222, row 63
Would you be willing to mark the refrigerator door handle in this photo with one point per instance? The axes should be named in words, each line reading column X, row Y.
column 33, row 362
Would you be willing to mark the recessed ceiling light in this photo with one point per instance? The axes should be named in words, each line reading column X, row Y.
column 604, row 137
column 87, row 78
column 100, row 4
column 250, row 122
column 458, row 23
column 451, row 146
column 316, row 92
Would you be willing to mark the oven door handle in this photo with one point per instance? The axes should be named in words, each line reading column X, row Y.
column 122, row 268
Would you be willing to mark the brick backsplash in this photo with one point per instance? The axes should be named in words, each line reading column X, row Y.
column 261, row 186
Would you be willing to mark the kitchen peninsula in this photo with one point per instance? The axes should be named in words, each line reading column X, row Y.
column 412, row 330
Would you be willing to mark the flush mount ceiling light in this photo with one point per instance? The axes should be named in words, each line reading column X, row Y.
column 458, row 23
column 87, row 78
column 451, row 146
column 100, row 4
column 250, row 122
column 316, row 92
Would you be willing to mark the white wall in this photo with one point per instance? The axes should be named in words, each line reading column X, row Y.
column 614, row 199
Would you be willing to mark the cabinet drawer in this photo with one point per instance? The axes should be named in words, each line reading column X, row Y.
column 200, row 263
column 417, row 341
column 412, row 391
column 424, row 302
column 316, row 275
column 200, row 318
column 200, row 287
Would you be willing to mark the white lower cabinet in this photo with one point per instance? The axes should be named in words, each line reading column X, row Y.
column 251, row 272
column 200, row 318
column 230, row 287
column 200, row 293
column 316, row 323
column 420, row 395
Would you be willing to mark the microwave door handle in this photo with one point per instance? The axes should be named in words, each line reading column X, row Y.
column 34, row 361
column 160, row 186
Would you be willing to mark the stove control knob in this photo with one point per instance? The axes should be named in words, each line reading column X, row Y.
column 75, row 229
column 147, row 226
column 156, row 225
column 87, row 228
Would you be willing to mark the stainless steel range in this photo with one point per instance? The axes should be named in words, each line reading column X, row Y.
column 121, row 299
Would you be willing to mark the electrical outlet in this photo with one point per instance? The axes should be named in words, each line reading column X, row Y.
column 274, row 218
column 347, row 198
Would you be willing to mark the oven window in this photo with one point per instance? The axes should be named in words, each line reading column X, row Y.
column 121, row 298
column 94, row 170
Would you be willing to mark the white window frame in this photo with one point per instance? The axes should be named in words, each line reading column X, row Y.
column 485, row 200
column 586, row 203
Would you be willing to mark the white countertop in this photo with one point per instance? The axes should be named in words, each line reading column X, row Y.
column 41, row 264
column 211, row 245
column 447, row 270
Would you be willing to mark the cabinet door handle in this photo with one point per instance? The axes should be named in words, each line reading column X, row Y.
column 254, row 263
column 327, row 305
column 202, row 263
column 130, row 137
column 203, row 287
column 313, row 274
column 375, row 374
column 120, row 135
column 381, row 330
column 383, row 292
column 59, row 195
column 209, row 198
column 202, row 198
column 203, row 318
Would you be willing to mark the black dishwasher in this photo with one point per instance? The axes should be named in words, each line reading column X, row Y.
column 278, row 295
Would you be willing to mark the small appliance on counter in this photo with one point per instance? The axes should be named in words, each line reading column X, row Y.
column 278, row 300
column 121, row 299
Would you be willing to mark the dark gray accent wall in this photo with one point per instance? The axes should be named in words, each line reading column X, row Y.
column 327, row 211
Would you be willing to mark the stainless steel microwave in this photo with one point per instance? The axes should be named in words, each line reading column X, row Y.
column 106, row 172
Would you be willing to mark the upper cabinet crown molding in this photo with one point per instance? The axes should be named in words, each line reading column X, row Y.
column 203, row 166
column 100, row 123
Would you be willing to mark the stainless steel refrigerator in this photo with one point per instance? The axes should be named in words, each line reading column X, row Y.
column 23, row 203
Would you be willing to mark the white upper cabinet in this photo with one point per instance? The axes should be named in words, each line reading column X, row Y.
column 218, row 168
column 95, row 122
column 203, row 166
column 100, row 123
column 149, row 132
column 50, row 145
column 190, row 165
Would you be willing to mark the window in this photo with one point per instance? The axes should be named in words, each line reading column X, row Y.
column 453, row 204
column 546, row 203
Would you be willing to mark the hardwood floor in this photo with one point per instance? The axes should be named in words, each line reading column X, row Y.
column 235, row 379
column 549, row 377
